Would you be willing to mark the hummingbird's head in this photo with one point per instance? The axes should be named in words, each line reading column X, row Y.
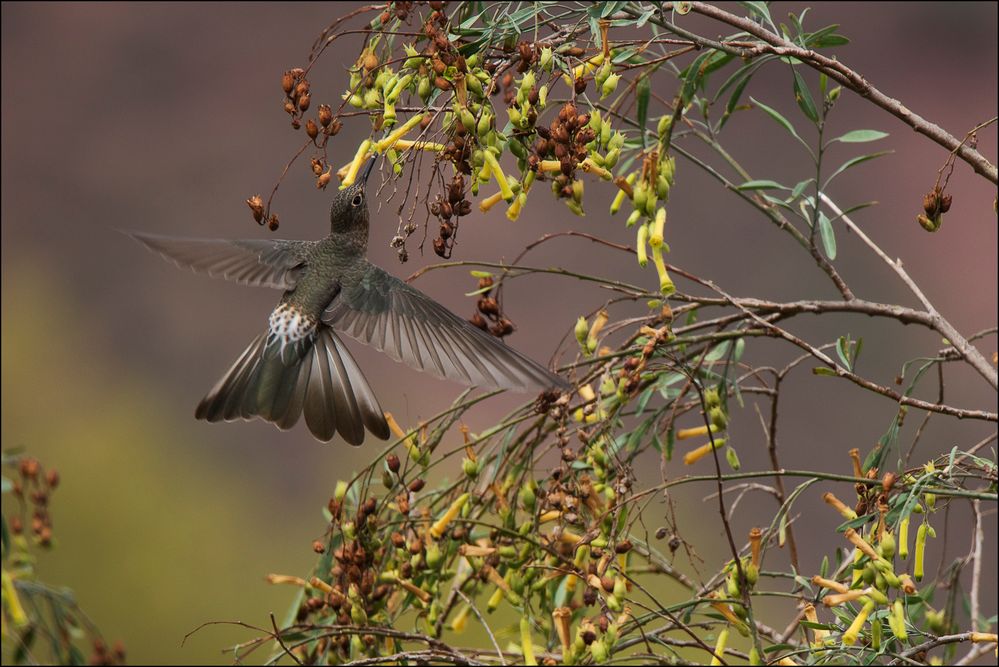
column 349, row 210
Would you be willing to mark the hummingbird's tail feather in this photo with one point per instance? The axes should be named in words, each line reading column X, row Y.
column 317, row 377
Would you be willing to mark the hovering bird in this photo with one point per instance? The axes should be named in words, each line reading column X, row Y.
column 301, row 365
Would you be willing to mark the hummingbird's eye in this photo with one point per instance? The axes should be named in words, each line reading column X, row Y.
column 357, row 200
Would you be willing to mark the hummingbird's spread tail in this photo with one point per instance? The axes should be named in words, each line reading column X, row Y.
column 279, row 382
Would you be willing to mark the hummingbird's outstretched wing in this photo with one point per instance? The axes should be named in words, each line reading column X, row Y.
column 379, row 309
column 259, row 263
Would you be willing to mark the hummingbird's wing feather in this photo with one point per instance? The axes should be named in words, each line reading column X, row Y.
column 255, row 262
column 338, row 398
column 379, row 309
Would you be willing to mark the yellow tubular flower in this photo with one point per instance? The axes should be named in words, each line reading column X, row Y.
column 498, row 174
column 397, row 134
column 818, row 635
column 851, row 634
column 666, row 285
column 720, row 646
column 525, row 641
column 643, row 235
column 452, row 512
column 830, row 584
column 835, row 502
column 903, row 538
column 406, row 144
column 917, row 568
column 656, row 238
column 696, row 455
column 590, row 167
column 490, row 201
column 696, row 432
column 355, row 165
column 513, row 211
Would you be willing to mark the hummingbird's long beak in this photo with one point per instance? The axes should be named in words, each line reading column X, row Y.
column 368, row 168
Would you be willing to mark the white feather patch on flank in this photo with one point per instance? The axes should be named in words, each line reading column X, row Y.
column 290, row 326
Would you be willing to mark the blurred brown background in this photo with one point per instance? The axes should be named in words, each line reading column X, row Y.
column 164, row 118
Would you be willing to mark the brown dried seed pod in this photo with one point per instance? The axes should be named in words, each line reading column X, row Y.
column 439, row 66
column 325, row 115
column 579, row 86
column 273, row 223
column 303, row 102
column 440, row 247
column 479, row 321
column 289, row 108
column 335, row 127
column 930, row 203
column 502, row 328
column 256, row 205
column 447, row 230
column 417, row 485
column 464, row 207
column 585, row 135
column 945, row 202
column 323, row 180
column 369, row 62
column 488, row 306
column 318, row 547
column 317, row 166
column 393, row 462
column 287, row 82
column 442, row 83
column 311, row 128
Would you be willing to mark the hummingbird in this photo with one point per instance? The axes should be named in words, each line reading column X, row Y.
column 300, row 365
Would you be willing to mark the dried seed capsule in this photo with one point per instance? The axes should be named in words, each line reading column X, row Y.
column 256, row 205
column 325, row 115
column 488, row 306
column 479, row 321
column 440, row 247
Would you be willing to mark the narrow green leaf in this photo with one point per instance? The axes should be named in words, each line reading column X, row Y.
column 828, row 236
column 645, row 17
column 777, row 116
column 643, row 90
column 804, row 98
column 733, row 101
column 853, row 162
column 822, row 370
column 761, row 184
column 799, row 188
column 861, row 136
column 760, row 9
column 843, row 351
column 611, row 7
